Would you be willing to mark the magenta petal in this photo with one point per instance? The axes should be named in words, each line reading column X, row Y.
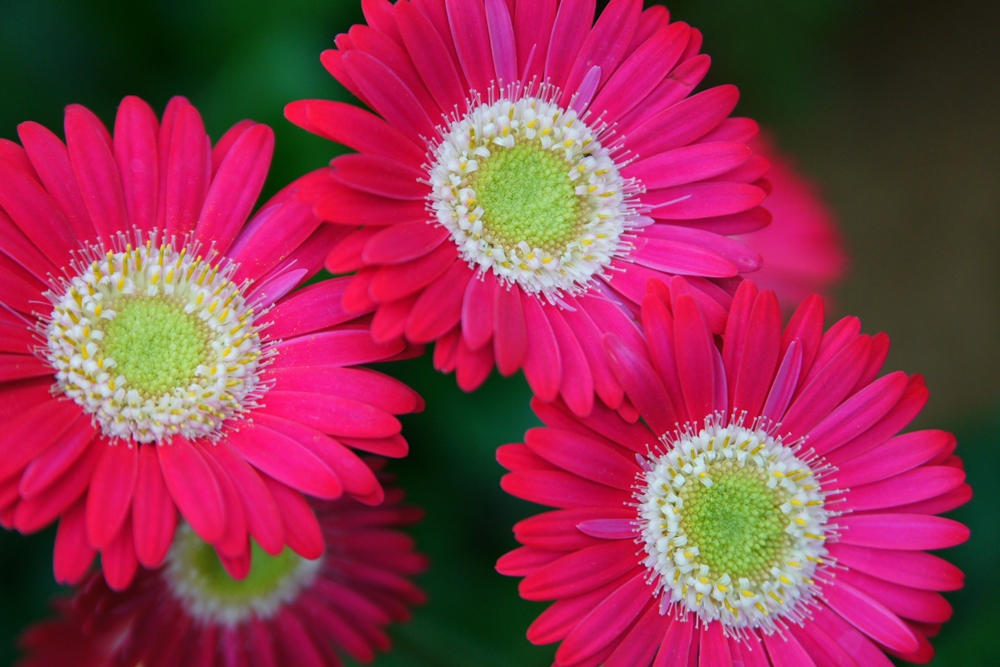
column 909, row 568
column 73, row 553
column 118, row 559
column 609, row 529
column 713, row 647
column 310, row 309
column 688, row 164
column 472, row 40
column 34, row 513
column 430, row 56
column 580, row 571
column 360, row 384
column 332, row 414
column 345, row 205
column 36, row 214
column 606, row 43
column 135, row 151
column 914, row 486
column 901, row 453
column 561, row 489
column 21, row 366
column 259, row 508
column 589, row 335
column 285, row 460
column 858, row 413
column 477, row 310
column 542, row 361
column 48, row 467
column 910, row 532
column 643, row 387
column 510, row 341
column 572, row 25
column 95, row 170
column 33, row 431
column 695, row 358
column 302, row 530
column 51, row 161
column 193, row 488
column 533, row 29
column 501, row 31
column 233, row 547
column 388, row 95
column 345, row 347
column 607, row 621
column 577, row 385
column 394, row 282
column 380, row 176
column 439, row 308
column 870, row 617
column 680, row 258
column 154, row 516
column 187, row 171
column 676, row 645
column 586, row 457
column 684, row 122
column 235, row 188
column 110, row 495
column 786, row 651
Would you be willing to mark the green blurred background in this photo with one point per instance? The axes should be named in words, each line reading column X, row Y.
column 892, row 106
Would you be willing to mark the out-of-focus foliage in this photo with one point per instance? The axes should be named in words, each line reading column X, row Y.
column 248, row 58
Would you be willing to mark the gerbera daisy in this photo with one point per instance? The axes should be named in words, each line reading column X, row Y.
column 143, row 322
column 803, row 248
column 525, row 172
column 764, row 511
column 289, row 610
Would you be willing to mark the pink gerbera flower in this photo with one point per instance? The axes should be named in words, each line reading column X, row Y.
column 143, row 322
column 803, row 248
column 289, row 610
column 526, row 173
column 763, row 512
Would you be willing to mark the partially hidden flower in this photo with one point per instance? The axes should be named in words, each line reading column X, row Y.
column 154, row 356
column 803, row 247
column 525, row 172
column 764, row 511
column 289, row 610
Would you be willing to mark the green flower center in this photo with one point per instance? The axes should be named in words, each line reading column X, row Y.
column 526, row 195
column 737, row 522
column 155, row 344
column 198, row 578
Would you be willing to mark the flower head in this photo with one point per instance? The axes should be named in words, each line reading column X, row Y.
column 803, row 247
column 154, row 356
column 528, row 170
column 289, row 610
column 763, row 510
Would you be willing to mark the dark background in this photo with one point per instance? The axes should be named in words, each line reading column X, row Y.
column 892, row 106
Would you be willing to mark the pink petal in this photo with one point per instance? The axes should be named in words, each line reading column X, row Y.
column 48, row 467
column 580, row 571
column 310, row 309
column 473, row 366
column 542, row 362
column 347, row 206
column 858, row 413
column 561, row 489
column 379, row 15
column 20, row 366
column 360, row 384
column 380, row 176
column 589, row 335
column 501, row 31
column 688, row 164
column 431, row 56
column 870, row 617
column 193, row 488
column 914, row 486
column 609, row 529
column 95, row 170
column 695, row 361
column 110, row 495
column 642, row 71
column 439, row 308
column 674, row 88
column 472, row 40
column 391, row 54
column 73, row 553
column 786, row 651
column 702, row 200
column 185, row 176
column 908, row 568
column 388, row 95
column 525, row 560
column 154, row 516
column 286, row 230
column 533, row 29
column 606, row 43
column 347, row 347
column 36, row 214
column 19, row 248
column 51, row 161
column 233, row 547
column 640, row 645
column 586, row 457
column 32, row 431
column 302, row 530
column 684, row 122
column 226, row 141
column 136, row 130
column 680, row 258
column 394, row 282
column 355, row 128
column 923, row 606
column 259, row 508
column 607, row 621
column 34, row 513
column 572, row 25
column 477, row 310
column 561, row 617
column 558, row 530
column 676, row 646
column 713, row 647
column 901, row 531
column 510, row 342
column 235, row 188
column 577, row 385
column 332, row 414
column 118, row 560
column 902, row 453
column 641, row 384
column 285, row 460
